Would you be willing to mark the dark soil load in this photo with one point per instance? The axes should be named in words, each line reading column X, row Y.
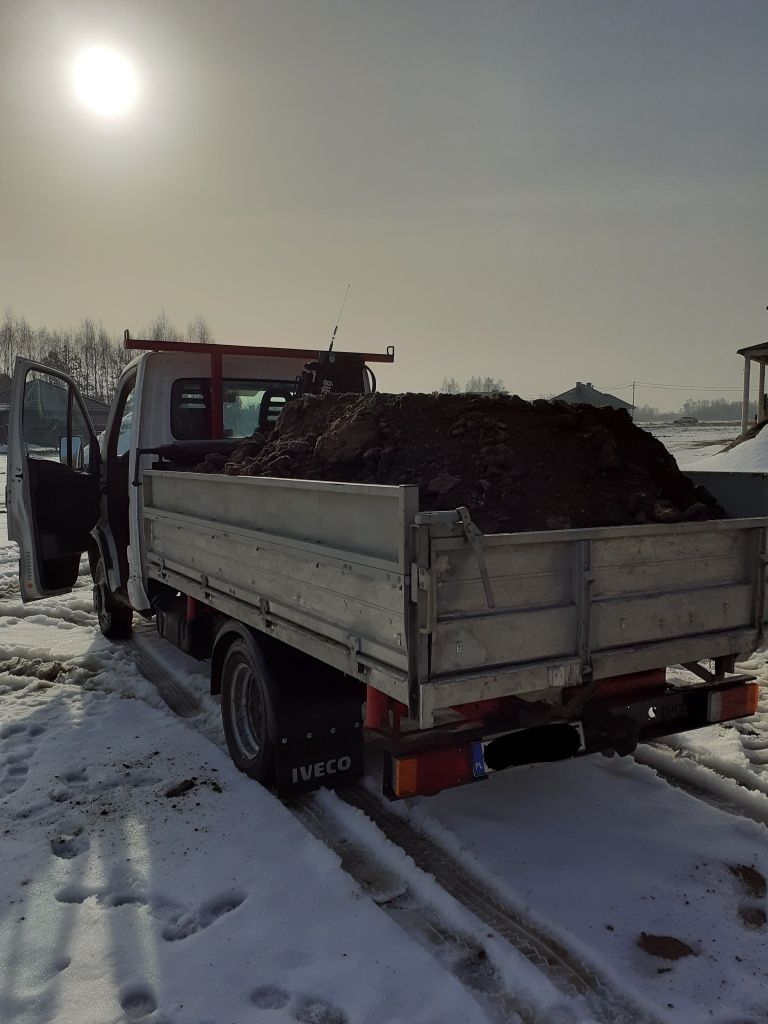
column 516, row 465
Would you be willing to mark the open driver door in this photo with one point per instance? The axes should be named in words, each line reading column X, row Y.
column 53, row 479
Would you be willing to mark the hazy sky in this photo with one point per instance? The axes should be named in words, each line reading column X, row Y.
column 539, row 190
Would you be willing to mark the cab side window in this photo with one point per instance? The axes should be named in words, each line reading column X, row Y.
column 247, row 405
column 55, row 425
column 123, row 440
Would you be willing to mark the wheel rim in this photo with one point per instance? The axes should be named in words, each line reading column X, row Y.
column 248, row 713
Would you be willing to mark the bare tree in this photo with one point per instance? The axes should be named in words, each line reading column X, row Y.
column 474, row 386
column 161, row 329
column 484, row 386
column 7, row 341
column 88, row 354
column 199, row 331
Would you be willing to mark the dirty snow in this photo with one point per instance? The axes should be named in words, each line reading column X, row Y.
column 602, row 851
column 124, row 904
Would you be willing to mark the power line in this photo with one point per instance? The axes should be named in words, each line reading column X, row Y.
column 668, row 387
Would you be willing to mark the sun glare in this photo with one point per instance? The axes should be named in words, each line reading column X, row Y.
column 105, row 81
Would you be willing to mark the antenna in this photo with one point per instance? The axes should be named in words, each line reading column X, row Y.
column 338, row 321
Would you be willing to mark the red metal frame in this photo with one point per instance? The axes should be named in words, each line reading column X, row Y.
column 246, row 350
column 217, row 397
column 217, row 351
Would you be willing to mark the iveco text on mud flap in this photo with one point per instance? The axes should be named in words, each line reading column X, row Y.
column 320, row 769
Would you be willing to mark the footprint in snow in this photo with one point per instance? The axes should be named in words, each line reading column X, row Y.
column 68, row 845
column 317, row 1011
column 270, row 997
column 19, row 742
column 182, row 925
column 308, row 1011
column 14, row 729
column 124, row 899
column 111, row 899
column 137, row 1001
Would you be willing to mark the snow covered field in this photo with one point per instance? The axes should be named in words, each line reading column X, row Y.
column 689, row 443
column 146, row 880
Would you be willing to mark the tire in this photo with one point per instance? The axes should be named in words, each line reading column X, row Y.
column 249, row 710
column 115, row 619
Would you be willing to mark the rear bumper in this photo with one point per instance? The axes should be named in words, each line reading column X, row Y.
column 617, row 728
column 677, row 709
column 608, row 728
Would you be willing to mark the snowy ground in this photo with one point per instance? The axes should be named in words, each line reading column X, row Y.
column 696, row 441
column 124, row 903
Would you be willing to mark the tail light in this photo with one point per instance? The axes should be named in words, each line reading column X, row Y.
column 737, row 702
column 430, row 771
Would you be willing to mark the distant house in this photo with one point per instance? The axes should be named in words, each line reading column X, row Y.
column 47, row 405
column 585, row 394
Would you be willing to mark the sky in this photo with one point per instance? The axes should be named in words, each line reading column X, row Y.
column 543, row 191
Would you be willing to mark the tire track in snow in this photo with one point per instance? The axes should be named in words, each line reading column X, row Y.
column 564, row 969
column 731, row 790
column 178, row 698
column 423, row 917
column 753, row 733
column 452, row 944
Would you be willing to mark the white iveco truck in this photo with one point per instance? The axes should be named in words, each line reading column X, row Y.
column 335, row 616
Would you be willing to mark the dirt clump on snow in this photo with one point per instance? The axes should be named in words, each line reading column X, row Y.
column 752, row 880
column 516, row 465
column 753, row 917
column 666, row 947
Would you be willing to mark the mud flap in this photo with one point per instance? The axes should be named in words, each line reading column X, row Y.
column 320, row 740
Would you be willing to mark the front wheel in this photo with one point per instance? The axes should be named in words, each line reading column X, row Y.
column 115, row 619
column 248, row 710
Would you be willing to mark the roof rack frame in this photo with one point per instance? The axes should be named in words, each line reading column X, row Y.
column 217, row 351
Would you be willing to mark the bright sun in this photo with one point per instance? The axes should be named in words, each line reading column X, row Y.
column 105, row 81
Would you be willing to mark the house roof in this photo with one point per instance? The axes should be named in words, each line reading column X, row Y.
column 585, row 394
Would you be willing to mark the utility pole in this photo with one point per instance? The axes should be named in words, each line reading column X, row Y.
column 633, row 399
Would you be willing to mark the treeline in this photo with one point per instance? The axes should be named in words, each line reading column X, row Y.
column 701, row 409
column 89, row 353
column 474, row 386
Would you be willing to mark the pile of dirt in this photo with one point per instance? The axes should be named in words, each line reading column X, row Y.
column 516, row 465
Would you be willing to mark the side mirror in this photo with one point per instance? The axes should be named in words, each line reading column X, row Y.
column 77, row 450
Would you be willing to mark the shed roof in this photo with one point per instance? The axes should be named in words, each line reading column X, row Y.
column 755, row 351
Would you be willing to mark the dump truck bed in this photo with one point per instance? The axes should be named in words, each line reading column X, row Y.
column 424, row 609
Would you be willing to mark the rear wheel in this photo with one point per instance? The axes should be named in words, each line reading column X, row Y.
column 248, row 710
column 115, row 619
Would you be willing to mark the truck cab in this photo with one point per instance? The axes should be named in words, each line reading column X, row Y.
column 70, row 492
